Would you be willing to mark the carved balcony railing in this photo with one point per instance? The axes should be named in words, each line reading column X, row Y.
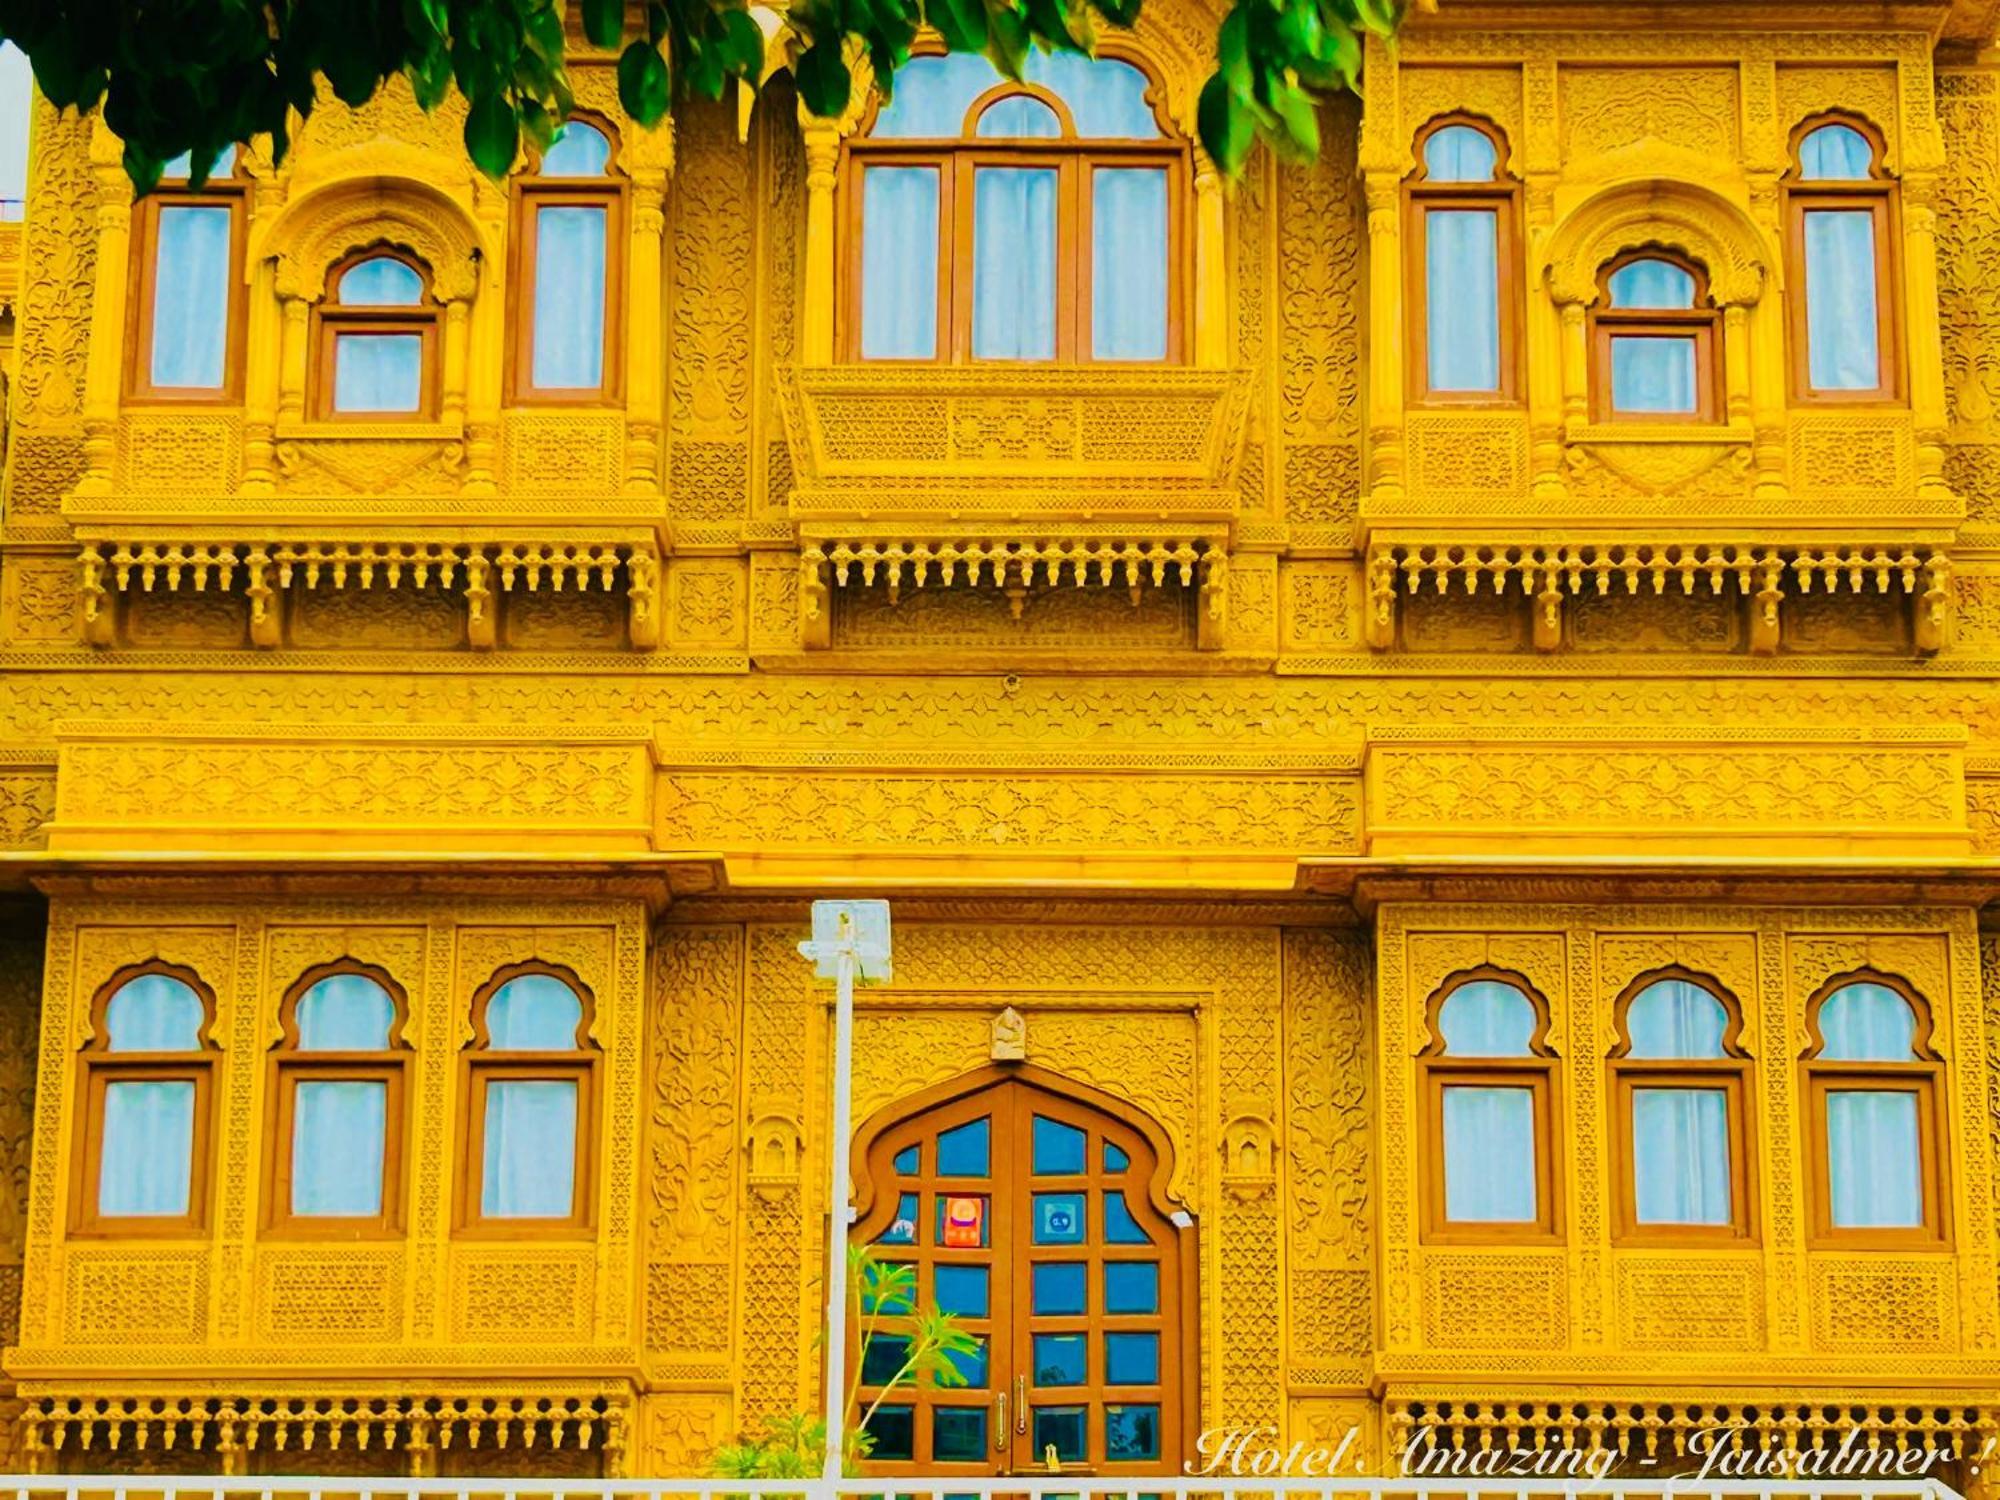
column 1763, row 575
column 264, row 568
column 1097, row 477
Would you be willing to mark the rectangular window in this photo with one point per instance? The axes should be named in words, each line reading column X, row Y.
column 1128, row 263
column 899, row 263
column 569, row 297
column 1874, row 1159
column 1842, row 350
column 1014, row 263
column 1462, row 299
column 339, row 1129
column 1653, row 373
column 1489, row 1154
column 1680, row 1156
column 378, row 372
column 190, row 297
column 529, row 1161
column 146, row 1167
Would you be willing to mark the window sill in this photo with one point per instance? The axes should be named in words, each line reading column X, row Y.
column 1734, row 434
column 373, row 431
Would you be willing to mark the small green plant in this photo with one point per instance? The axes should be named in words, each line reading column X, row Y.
column 881, row 1304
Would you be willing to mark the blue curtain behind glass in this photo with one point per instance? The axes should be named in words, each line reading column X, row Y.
column 381, row 281
column 338, row 1129
column 1652, row 375
column 153, row 1013
column 1014, row 263
column 1835, row 153
column 145, row 1165
column 1462, row 299
column 529, row 1169
column 1489, row 1154
column 378, row 372
column 899, row 262
column 534, row 1013
column 191, row 297
column 569, row 298
column 1840, row 300
column 1650, row 284
column 1680, row 1155
column 1867, row 1023
column 1487, row 1018
column 1672, row 1018
column 344, row 1013
column 1128, row 263
column 1873, row 1160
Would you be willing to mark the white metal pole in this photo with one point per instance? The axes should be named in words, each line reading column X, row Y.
column 841, row 1215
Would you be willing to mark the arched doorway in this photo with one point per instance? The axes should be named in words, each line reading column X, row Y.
column 1035, row 1210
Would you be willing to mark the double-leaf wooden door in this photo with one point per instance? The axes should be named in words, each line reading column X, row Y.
column 1028, row 1216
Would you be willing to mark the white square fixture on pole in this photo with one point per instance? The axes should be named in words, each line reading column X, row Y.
column 850, row 941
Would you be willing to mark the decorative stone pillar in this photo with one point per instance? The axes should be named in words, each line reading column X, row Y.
column 645, row 333
column 1385, row 339
column 292, row 354
column 822, row 143
column 104, row 367
column 1928, row 402
column 1211, row 265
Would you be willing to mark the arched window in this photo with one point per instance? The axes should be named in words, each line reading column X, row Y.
column 17, row 99
column 187, row 274
column 990, row 220
column 569, row 218
column 1462, row 266
column 529, row 1076
column 1656, row 341
column 1841, row 249
column 1871, row 1079
column 148, row 1076
column 377, row 339
column 337, row 1131
column 1488, row 1086
column 1679, row 1084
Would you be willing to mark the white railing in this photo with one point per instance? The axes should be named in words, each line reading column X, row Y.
column 906, row 1487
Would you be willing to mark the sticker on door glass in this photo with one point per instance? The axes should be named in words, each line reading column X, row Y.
column 1059, row 1219
column 961, row 1222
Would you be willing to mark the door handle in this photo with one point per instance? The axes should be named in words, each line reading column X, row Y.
column 1020, row 1403
column 1000, row 1423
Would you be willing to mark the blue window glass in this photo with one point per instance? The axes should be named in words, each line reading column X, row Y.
column 958, row 1434
column 899, row 261
column 568, row 334
column 529, row 1170
column 191, row 285
column 1115, row 1159
column 971, row 1364
column 378, row 372
column 1128, row 275
column 907, row 1159
column 1059, row 1289
column 1131, row 1287
column 1458, row 153
column 902, row 1229
column 580, row 151
column 1462, row 298
column 1835, row 153
column 1020, row 116
column 1131, row 1358
column 339, row 1127
column 380, row 281
column 344, row 1013
column 1062, row 1428
column 893, row 1303
column 1680, row 1156
column 533, row 1013
column 1675, row 1019
column 1060, row 1219
column 966, row 1150
column 1014, row 263
column 1653, row 373
column 1842, row 353
column 1059, row 1149
column 962, row 1290
column 894, row 1429
column 886, row 1355
column 145, row 1165
column 1120, row 1228
column 1489, row 1154
column 1061, row 1359
column 1867, row 1023
column 1874, row 1159
column 1650, row 284
column 153, row 1013
column 1487, row 1018
column 1131, row 1433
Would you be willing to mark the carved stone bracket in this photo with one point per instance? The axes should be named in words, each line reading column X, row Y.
column 1552, row 574
column 111, row 567
column 1133, row 562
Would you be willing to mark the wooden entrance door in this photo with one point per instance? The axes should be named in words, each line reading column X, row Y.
column 1032, row 1216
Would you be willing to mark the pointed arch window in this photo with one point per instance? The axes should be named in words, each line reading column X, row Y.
column 148, row 1084
column 530, row 1086
column 1840, row 245
column 1034, row 221
column 1488, row 1083
column 1656, row 341
column 1679, row 1080
column 187, row 286
column 1462, row 269
column 377, row 336
column 1873, row 1098
column 338, row 1089
column 569, row 225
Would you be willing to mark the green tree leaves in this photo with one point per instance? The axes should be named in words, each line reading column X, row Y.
column 197, row 76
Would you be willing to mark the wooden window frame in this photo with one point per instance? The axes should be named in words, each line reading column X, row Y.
column 1702, row 323
column 330, row 320
column 1075, row 159
column 290, row 1066
column 481, row 1067
column 533, row 193
column 98, row 1067
column 1877, row 195
column 1730, row 1073
column 1439, row 1070
column 1503, row 197
column 1923, row 1077
column 230, row 191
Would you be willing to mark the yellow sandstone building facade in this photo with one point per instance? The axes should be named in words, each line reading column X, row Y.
column 1432, row 722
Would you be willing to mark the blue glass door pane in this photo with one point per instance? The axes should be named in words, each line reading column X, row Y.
column 1131, row 1287
column 1059, row 1289
column 1060, row 1359
column 1131, row 1358
column 958, row 1434
column 1120, row 1228
column 1059, row 1148
column 966, row 1150
column 1131, row 1433
column 1060, row 1219
column 1061, row 1428
column 964, row 1291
